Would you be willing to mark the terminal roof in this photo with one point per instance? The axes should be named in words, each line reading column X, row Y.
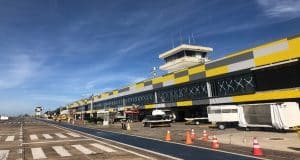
column 183, row 47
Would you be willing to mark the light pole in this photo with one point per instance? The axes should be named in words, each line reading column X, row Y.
column 92, row 105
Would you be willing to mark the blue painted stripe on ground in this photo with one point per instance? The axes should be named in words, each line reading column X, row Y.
column 175, row 150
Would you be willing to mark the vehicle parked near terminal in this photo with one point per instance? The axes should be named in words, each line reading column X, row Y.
column 280, row 116
column 158, row 118
column 223, row 115
column 106, row 117
column 63, row 116
column 3, row 118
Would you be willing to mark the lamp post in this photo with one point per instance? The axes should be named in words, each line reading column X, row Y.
column 92, row 105
column 82, row 108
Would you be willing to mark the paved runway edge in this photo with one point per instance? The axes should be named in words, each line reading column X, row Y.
column 172, row 149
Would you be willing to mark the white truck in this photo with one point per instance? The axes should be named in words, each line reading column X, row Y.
column 281, row 116
column 3, row 118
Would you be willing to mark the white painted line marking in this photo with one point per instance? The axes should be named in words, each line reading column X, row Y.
column 83, row 149
column 34, row 137
column 122, row 149
column 10, row 138
column 61, row 151
column 60, row 135
column 58, row 141
column 4, row 154
column 73, row 134
column 47, row 136
column 103, row 148
column 38, row 153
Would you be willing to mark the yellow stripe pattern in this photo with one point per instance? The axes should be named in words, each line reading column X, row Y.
column 184, row 103
column 270, row 95
column 216, row 71
column 292, row 52
column 149, row 106
column 182, row 79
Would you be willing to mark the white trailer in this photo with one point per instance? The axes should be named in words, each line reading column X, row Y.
column 223, row 115
column 3, row 118
column 281, row 116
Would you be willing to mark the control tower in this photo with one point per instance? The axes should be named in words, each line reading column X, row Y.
column 184, row 56
column 38, row 111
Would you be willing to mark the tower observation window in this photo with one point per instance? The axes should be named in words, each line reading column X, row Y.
column 183, row 54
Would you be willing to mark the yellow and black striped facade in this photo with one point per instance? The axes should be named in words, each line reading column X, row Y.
column 269, row 72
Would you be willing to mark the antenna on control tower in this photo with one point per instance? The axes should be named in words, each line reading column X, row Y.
column 154, row 72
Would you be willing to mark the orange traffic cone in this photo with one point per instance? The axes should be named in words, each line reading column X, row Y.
column 168, row 136
column 188, row 139
column 193, row 135
column 215, row 143
column 256, row 151
column 204, row 136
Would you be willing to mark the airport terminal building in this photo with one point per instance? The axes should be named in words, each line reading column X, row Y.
column 266, row 73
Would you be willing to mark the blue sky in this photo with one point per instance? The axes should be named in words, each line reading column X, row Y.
column 53, row 52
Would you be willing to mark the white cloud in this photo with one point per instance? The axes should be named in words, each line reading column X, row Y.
column 281, row 8
column 107, row 82
column 228, row 29
column 17, row 69
column 130, row 47
column 102, row 90
column 135, row 43
column 278, row 10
